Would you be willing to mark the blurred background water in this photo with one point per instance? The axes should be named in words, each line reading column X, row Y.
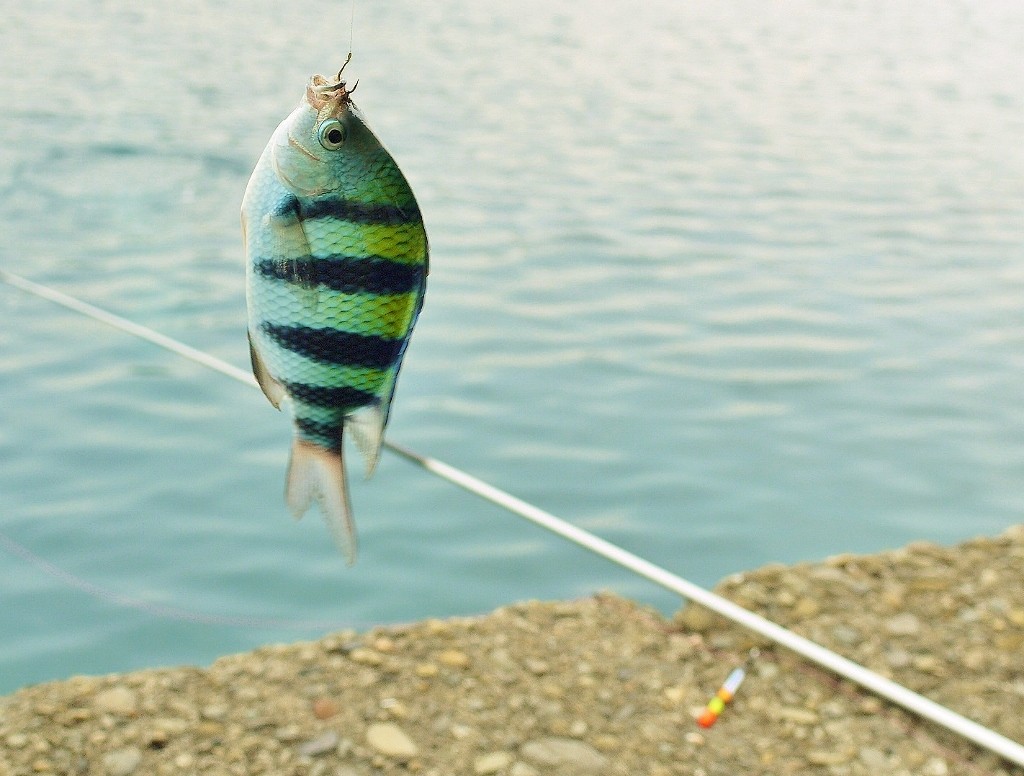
column 726, row 283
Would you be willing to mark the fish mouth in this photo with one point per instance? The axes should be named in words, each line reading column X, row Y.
column 329, row 98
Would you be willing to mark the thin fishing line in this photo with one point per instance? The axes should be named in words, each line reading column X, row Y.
column 897, row 693
column 351, row 27
column 159, row 610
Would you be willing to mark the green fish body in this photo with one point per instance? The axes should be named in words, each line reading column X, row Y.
column 336, row 267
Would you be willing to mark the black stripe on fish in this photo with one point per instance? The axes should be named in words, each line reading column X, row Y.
column 330, row 433
column 346, row 274
column 330, row 346
column 342, row 398
column 359, row 212
column 288, row 205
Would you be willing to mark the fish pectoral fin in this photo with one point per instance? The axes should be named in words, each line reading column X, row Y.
column 272, row 389
column 289, row 236
column 318, row 474
column 367, row 427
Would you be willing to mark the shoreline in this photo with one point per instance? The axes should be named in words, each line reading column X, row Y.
column 599, row 685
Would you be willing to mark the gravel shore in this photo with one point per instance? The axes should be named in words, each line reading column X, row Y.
column 594, row 686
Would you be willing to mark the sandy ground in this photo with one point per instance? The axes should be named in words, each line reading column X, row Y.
column 594, row 686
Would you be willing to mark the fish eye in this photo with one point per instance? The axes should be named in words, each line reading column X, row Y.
column 331, row 134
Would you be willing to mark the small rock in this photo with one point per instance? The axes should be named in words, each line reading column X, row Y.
column 935, row 767
column 696, row 619
column 17, row 740
column 875, row 760
column 806, row 607
column 675, row 694
column 384, row 644
column 122, row 762
column 324, row 708
column 116, row 700
column 536, row 667
column 390, row 740
column 522, row 769
column 846, row 635
column 795, row 714
column 822, row 757
column 395, row 708
column 929, row 664
column 426, row 670
column 325, row 742
column 898, row 658
column 366, row 657
column 492, row 763
column 214, row 712
column 564, row 751
column 903, row 624
column 288, row 734
column 172, row 726
column 184, row 761
column 453, row 658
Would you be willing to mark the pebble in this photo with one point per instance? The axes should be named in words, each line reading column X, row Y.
column 846, row 635
column 117, row 700
column 325, row 742
column 390, row 740
column 492, row 763
column 564, row 751
column 122, row 762
column 903, row 624
column 822, row 757
column 214, row 712
column 898, row 658
column 324, row 708
column 875, row 760
column 791, row 714
column 935, row 767
column 366, row 657
column 453, row 658
column 536, row 667
column 288, row 734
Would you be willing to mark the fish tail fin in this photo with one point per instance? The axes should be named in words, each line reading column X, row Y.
column 317, row 474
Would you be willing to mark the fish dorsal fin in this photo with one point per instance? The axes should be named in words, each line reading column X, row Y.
column 272, row 389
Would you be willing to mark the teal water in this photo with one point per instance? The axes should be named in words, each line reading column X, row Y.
column 725, row 283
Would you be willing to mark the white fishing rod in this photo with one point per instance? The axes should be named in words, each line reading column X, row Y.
column 897, row 693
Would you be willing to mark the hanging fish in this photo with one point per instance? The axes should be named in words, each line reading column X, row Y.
column 335, row 274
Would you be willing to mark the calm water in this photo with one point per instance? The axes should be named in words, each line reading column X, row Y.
column 726, row 283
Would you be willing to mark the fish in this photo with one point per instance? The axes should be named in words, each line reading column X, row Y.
column 336, row 268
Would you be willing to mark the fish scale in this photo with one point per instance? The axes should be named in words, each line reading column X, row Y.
column 335, row 276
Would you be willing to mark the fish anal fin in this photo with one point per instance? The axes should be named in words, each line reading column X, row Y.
column 366, row 425
column 318, row 474
column 272, row 389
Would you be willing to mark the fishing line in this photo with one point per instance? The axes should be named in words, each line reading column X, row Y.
column 159, row 610
column 886, row 688
column 351, row 27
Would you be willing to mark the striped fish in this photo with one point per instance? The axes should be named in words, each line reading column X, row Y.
column 335, row 275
